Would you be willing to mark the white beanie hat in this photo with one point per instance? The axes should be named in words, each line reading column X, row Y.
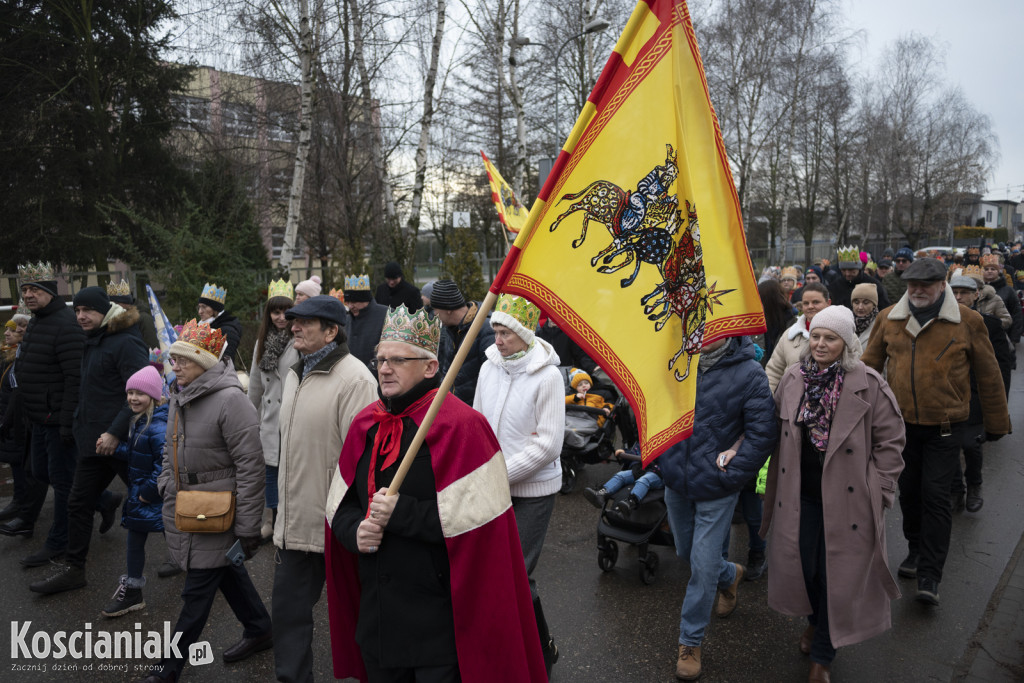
column 310, row 287
column 838, row 319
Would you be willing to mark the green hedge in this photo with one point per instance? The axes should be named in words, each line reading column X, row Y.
column 990, row 234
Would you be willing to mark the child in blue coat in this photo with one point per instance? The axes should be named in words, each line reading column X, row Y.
column 143, row 506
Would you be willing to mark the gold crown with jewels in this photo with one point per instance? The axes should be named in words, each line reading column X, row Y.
column 416, row 328
column 214, row 293
column 119, row 289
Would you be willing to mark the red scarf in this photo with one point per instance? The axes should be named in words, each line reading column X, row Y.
column 388, row 440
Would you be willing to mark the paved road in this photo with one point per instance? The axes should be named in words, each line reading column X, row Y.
column 610, row 626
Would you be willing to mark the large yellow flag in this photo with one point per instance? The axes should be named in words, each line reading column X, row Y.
column 510, row 210
column 635, row 245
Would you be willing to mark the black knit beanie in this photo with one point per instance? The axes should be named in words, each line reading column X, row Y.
column 446, row 296
column 93, row 297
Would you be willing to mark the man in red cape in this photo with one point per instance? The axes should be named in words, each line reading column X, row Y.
column 431, row 582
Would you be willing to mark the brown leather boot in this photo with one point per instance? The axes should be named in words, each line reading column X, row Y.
column 806, row 639
column 727, row 598
column 688, row 663
column 819, row 673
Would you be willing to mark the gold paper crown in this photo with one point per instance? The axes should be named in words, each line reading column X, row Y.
column 790, row 272
column 871, row 265
column 201, row 336
column 279, row 288
column 214, row 293
column 973, row 271
column 36, row 272
column 120, row 289
column 338, row 294
column 524, row 312
column 991, row 260
column 849, row 254
column 973, row 250
column 357, row 282
column 417, row 329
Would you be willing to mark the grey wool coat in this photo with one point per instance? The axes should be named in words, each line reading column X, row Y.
column 863, row 462
column 218, row 450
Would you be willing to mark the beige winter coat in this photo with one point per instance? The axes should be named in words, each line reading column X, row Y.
column 218, row 450
column 315, row 416
column 989, row 303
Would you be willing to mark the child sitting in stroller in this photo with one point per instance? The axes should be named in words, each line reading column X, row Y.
column 642, row 478
column 581, row 384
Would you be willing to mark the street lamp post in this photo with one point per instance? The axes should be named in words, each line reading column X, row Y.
column 593, row 26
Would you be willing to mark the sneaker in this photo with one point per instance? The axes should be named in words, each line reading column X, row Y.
column 728, row 598
column 125, row 600
column 756, row 565
column 908, row 567
column 595, row 498
column 688, row 663
column 927, row 591
column 41, row 557
column 67, row 578
column 168, row 569
column 627, row 505
column 974, row 499
column 108, row 513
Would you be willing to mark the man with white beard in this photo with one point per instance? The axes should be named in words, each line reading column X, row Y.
column 930, row 345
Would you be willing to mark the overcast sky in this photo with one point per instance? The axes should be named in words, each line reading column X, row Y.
column 983, row 41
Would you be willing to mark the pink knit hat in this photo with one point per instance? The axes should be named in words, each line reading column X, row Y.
column 148, row 381
column 310, row 287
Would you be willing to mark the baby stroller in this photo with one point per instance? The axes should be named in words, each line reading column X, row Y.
column 585, row 442
column 643, row 526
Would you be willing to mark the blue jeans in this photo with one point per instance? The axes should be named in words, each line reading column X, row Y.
column 271, row 487
column 646, row 482
column 698, row 527
column 53, row 463
column 752, row 509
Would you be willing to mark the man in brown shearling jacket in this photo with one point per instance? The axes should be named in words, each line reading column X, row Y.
column 930, row 345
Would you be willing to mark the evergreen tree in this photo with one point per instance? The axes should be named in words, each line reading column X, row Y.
column 85, row 111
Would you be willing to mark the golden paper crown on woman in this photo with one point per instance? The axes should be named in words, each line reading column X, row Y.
column 520, row 308
column 975, row 272
column 280, row 288
column 203, row 337
column 789, row 272
column 991, row 260
column 416, row 328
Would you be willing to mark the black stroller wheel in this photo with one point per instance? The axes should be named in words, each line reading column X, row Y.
column 607, row 556
column 568, row 478
column 648, row 568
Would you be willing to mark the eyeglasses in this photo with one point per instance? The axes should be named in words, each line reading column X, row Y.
column 178, row 360
column 396, row 363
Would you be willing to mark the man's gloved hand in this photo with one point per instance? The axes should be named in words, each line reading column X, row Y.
column 989, row 436
column 250, row 545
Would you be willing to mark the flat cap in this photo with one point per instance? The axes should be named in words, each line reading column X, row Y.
column 963, row 282
column 925, row 270
column 324, row 307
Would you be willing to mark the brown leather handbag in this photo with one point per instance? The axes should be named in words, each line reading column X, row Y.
column 200, row 512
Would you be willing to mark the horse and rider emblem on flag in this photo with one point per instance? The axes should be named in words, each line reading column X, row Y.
column 647, row 226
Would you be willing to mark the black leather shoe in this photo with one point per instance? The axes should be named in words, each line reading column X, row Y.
column 109, row 512
column 247, row 647
column 9, row 512
column 17, row 527
column 42, row 557
column 67, row 578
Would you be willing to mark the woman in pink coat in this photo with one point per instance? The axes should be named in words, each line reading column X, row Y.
column 841, row 437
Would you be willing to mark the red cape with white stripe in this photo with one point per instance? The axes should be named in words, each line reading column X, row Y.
column 495, row 627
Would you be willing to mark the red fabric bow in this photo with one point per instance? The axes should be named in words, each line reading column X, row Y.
column 388, row 440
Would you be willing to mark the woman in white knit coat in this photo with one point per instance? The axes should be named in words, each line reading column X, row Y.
column 521, row 393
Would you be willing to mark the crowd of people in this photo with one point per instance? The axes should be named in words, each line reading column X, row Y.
column 866, row 387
